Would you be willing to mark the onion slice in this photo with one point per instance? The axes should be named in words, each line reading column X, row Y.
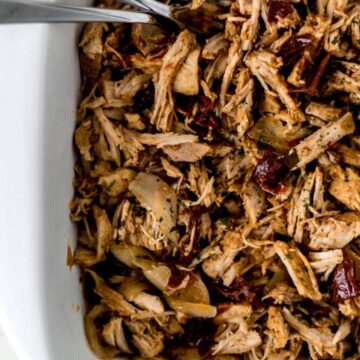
column 157, row 196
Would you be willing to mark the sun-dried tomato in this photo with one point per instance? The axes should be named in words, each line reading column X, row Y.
column 204, row 118
column 144, row 98
column 199, row 333
column 269, row 173
column 177, row 276
column 293, row 49
column 345, row 285
column 239, row 290
column 279, row 9
column 294, row 142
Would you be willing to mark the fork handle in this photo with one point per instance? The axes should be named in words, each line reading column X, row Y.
column 15, row 11
column 150, row 5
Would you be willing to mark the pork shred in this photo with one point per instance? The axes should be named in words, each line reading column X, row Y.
column 217, row 184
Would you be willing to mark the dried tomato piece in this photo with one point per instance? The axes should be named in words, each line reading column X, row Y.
column 239, row 290
column 293, row 49
column 279, row 9
column 295, row 142
column 144, row 98
column 199, row 333
column 177, row 276
column 204, row 118
column 269, row 173
column 345, row 285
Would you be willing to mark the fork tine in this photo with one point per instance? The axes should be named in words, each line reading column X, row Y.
column 15, row 11
column 203, row 20
column 150, row 5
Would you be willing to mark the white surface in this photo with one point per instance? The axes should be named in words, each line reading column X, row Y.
column 38, row 91
column 6, row 350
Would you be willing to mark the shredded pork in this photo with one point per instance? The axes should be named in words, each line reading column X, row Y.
column 217, row 185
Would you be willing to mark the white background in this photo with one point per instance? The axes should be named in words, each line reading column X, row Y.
column 6, row 351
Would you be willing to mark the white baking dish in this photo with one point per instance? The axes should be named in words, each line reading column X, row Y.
column 39, row 89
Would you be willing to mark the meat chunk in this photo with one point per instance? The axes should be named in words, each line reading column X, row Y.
column 217, row 264
column 230, row 312
column 298, row 207
column 321, row 341
column 325, row 262
column 113, row 334
column 127, row 87
column 253, row 199
column 93, row 334
column 104, row 235
column 319, row 141
column 249, row 28
column 348, row 155
column 214, row 47
column 111, row 298
column 145, row 337
column 186, row 80
column 334, row 232
column 265, row 66
column 201, row 185
column 92, row 50
column 236, row 339
column 166, row 139
column 345, row 187
column 117, row 182
column 83, row 139
column 176, row 55
column 299, row 270
column 284, row 294
column 187, row 152
column 323, row 111
column 277, row 328
column 340, row 81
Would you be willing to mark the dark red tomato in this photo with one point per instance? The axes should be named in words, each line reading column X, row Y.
column 199, row 333
column 293, row 49
column 345, row 285
column 239, row 290
column 205, row 118
column 177, row 276
column 279, row 9
column 269, row 173
column 294, row 142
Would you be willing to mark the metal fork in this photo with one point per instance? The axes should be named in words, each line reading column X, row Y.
column 17, row 11
column 203, row 20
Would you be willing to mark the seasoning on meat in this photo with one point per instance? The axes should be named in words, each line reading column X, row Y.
column 217, row 184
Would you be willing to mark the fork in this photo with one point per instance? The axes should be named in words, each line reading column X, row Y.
column 202, row 20
column 17, row 11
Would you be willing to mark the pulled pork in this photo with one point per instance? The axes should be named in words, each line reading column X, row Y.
column 217, row 185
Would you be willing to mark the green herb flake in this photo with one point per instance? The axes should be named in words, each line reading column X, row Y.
column 109, row 187
column 225, row 221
